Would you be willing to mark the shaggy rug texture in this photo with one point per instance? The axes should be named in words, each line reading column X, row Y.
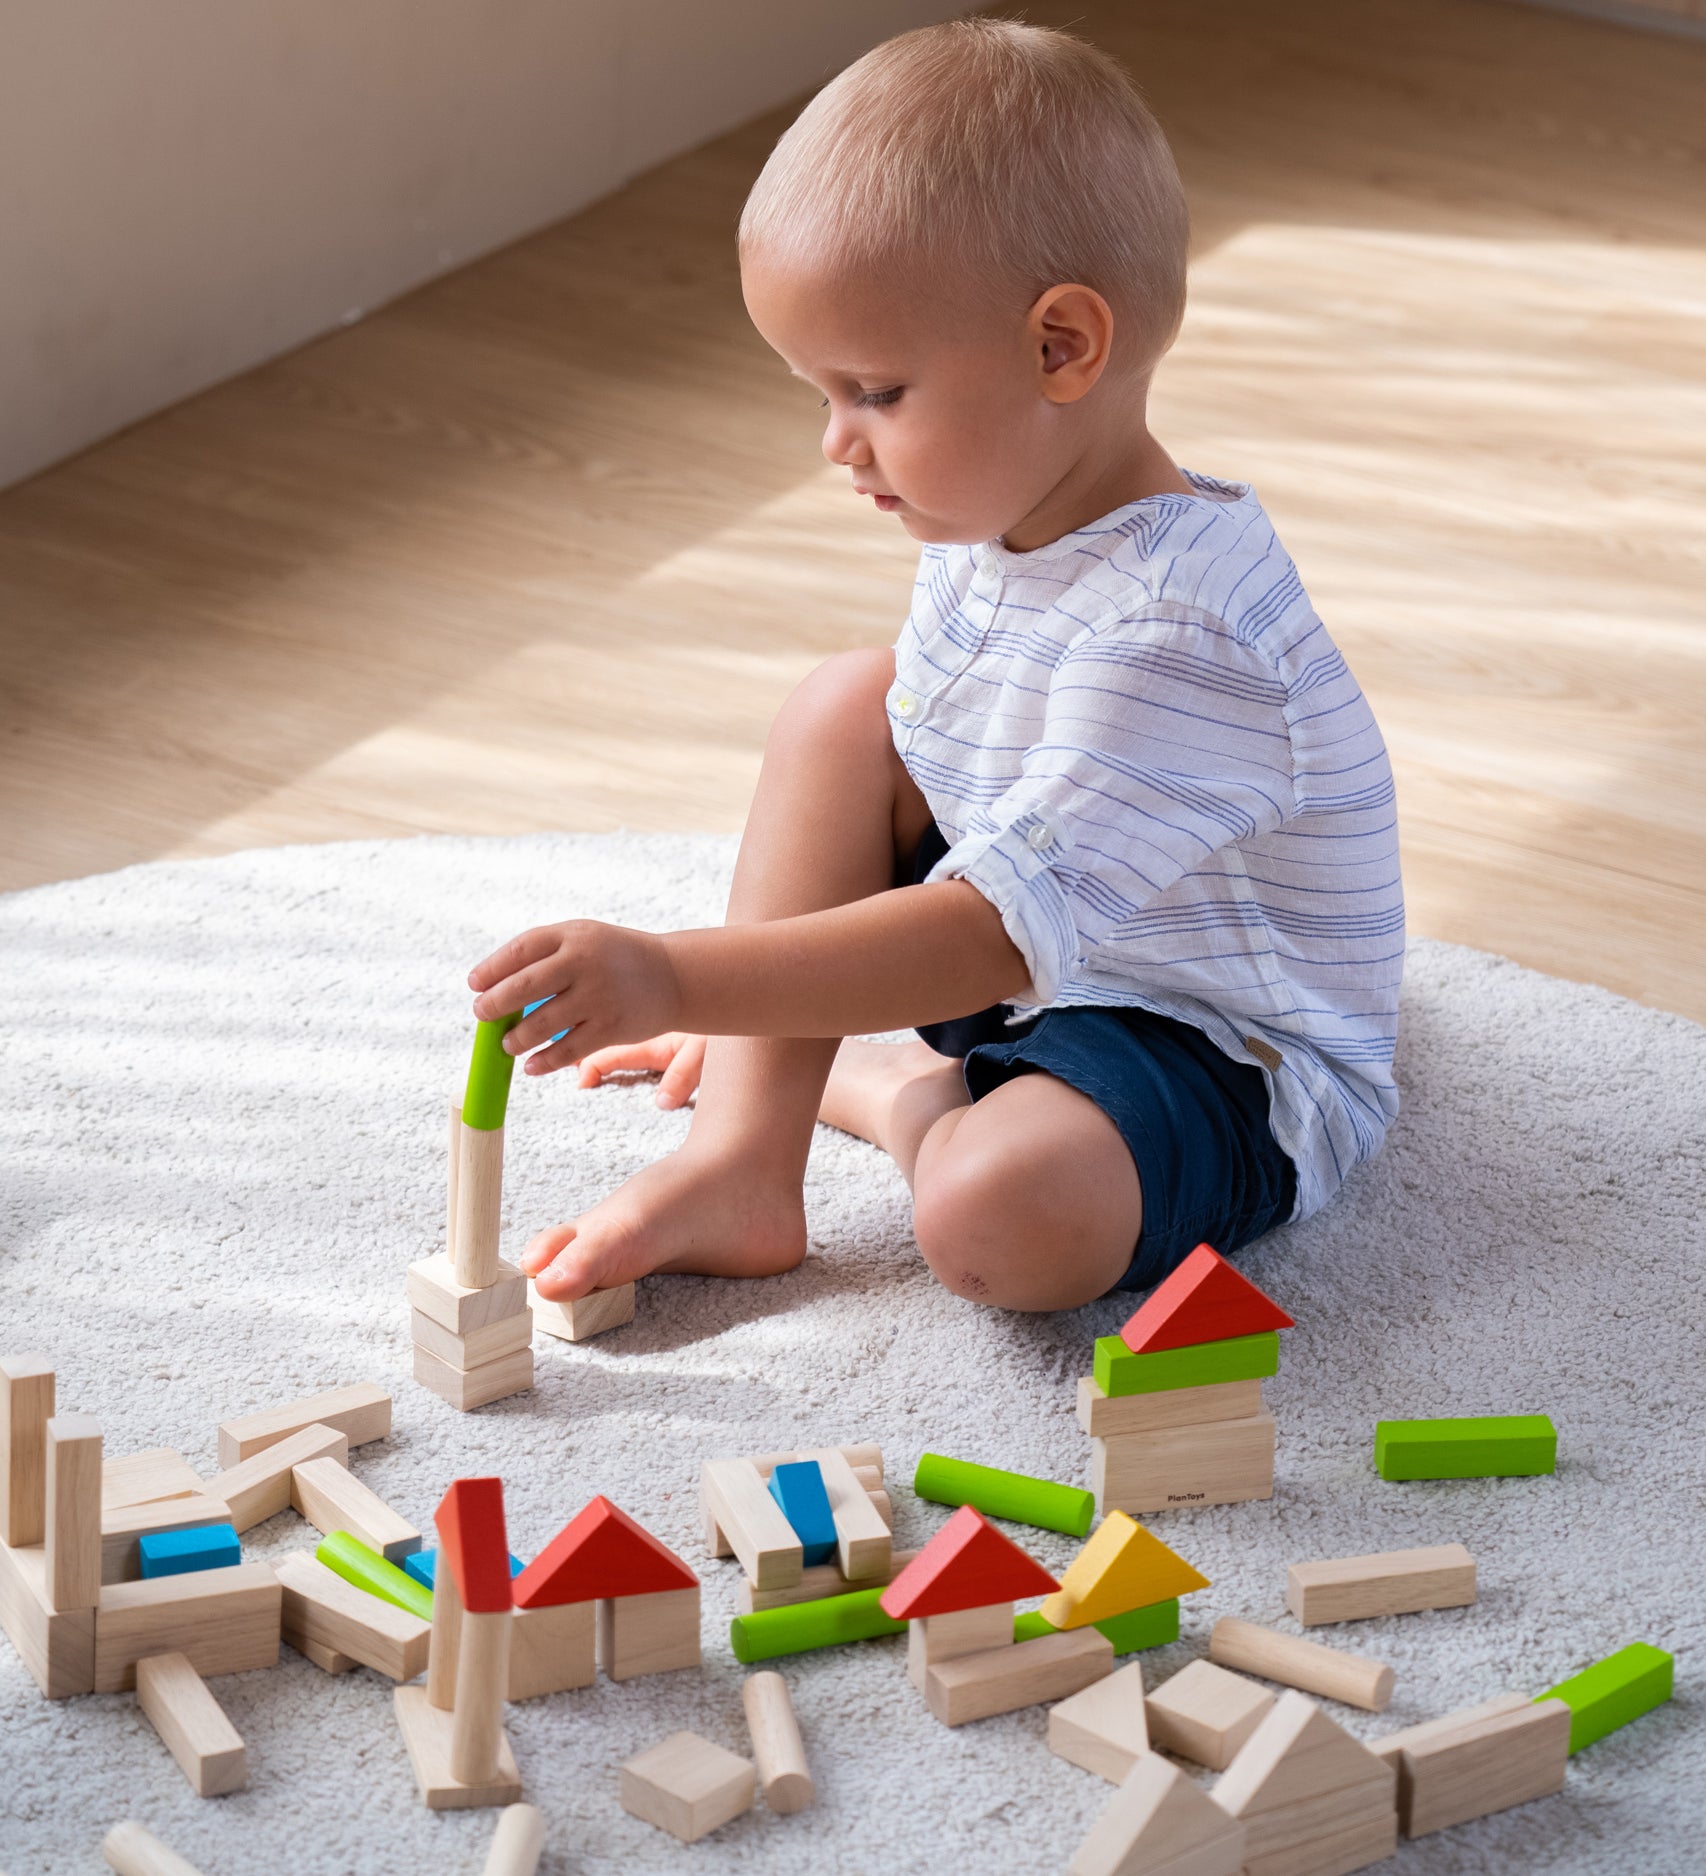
column 223, row 1117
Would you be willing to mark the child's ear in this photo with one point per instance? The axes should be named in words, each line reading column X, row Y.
column 1071, row 332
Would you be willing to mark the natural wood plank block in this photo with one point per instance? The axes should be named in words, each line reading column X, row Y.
column 650, row 1634
column 327, row 1660
column 1393, row 1582
column 332, row 1498
column 1219, row 1462
column 361, row 1412
column 1111, row 1416
column 1023, row 1674
column 478, row 1346
column 146, row 1478
column 863, row 1544
column 1104, row 1727
column 1337, row 1835
column 225, row 1621
column 1205, row 1714
column 427, row 1734
column 133, row 1851
column 26, row 1406
column 57, row 1647
column 1489, row 1764
column 123, row 1528
column 934, row 1638
column 466, row 1389
column 1159, row 1824
column 479, row 1204
column 319, row 1606
column 783, row 1774
column 73, row 1511
column 258, row 1487
column 193, row 1725
column 740, row 1512
column 1390, row 1747
column 580, row 1319
column 551, row 1649
column 820, row 1580
column 687, row 1786
column 460, row 1308
column 1354, row 1679
column 862, row 1457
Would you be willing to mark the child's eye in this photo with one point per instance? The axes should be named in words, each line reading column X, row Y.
column 874, row 400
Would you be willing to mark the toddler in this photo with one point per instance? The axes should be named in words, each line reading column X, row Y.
column 1111, row 827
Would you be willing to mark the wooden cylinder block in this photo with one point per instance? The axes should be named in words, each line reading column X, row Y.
column 446, row 1643
column 482, row 1671
column 133, row 1851
column 455, row 1161
column 776, row 1744
column 517, row 1843
column 479, row 1199
column 1354, row 1679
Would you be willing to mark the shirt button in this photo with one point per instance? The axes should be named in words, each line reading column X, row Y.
column 905, row 706
column 1040, row 836
column 986, row 565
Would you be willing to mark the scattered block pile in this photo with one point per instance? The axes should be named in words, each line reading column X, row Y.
column 745, row 1519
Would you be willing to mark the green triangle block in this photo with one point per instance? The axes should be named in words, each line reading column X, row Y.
column 1614, row 1691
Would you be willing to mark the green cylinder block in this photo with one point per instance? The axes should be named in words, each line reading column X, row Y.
column 997, row 1494
column 489, row 1071
column 357, row 1563
column 800, row 1626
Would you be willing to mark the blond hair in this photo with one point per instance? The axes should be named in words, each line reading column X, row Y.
column 1007, row 158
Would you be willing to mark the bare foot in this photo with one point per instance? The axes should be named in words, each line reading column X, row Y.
column 890, row 1093
column 697, row 1210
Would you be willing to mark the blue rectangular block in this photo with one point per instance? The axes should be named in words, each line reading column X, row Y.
column 422, row 1565
column 176, row 1553
column 799, row 1489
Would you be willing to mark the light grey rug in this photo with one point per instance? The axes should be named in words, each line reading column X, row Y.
column 222, row 1105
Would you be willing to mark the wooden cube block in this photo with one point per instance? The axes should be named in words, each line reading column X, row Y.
column 466, row 1389
column 478, row 1346
column 585, row 1316
column 649, row 1634
column 687, row 1786
column 193, row 1725
column 427, row 1734
column 740, row 1513
column 225, row 1621
column 319, row 1606
column 934, row 1638
column 1103, row 1727
column 26, row 1406
column 258, row 1487
column 332, row 1498
column 144, row 1478
column 57, row 1647
column 361, row 1413
column 1492, row 1763
column 1219, row 1462
column 73, row 1511
column 123, row 1528
column 552, row 1649
column 435, row 1292
column 1392, row 1582
column 1110, row 1416
column 1205, row 1714
column 1022, row 1674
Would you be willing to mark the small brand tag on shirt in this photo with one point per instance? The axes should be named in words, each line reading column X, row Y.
column 1265, row 1053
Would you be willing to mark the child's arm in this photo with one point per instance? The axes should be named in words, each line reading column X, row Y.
column 914, row 955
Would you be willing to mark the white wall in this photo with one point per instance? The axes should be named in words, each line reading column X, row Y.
column 188, row 187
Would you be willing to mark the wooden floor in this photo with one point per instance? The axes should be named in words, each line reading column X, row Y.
column 544, row 544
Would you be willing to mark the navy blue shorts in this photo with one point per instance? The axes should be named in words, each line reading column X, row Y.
column 1195, row 1121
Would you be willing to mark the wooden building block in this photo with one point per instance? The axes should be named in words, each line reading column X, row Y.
column 319, row 1606
column 361, row 1412
column 1615, row 1691
column 687, row 1786
column 650, row 1634
column 445, row 1642
column 145, row 1478
column 459, row 1308
column 468, row 1388
column 814, row 1584
column 1153, row 1627
column 1244, row 1358
column 1203, row 1299
column 862, row 1457
column 797, row 1486
column 182, row 1553
column 1354, row 1679
column 1390, row 1747
column 192, row 1724
column 1104, row 1727
column 258, row 1487
column 582, row 1317
column 363, row 1566
column 479, row 1205
column 134, row 1851
column 26, row 1406
column 934, row 1638
column 517, row 1843
column 1108, row 1416
column 1023, row 1674
column 332, row 1498
column 327, row 1660
column 1220, row 1462
column 601, row 1552
column 124, row 1527
column 1122, row 1567
column 551, row 1649
column 476, row 1715
column 478, row 1346
column 1160, row 1824
column 1490, row 1765
column 427, row 1732
column 783, row 1774
column 862, row 1540
column 73, row 1511
column 768, row 1633
column 1498, row 1446
column 1015, row 1496
column 739, row 1510
column 57, row 1647
column 225, row 1621
column 1205, row 1714
column 1392, row 1582
column 966, row 1564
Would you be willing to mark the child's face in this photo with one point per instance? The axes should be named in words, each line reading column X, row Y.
column 940, row 416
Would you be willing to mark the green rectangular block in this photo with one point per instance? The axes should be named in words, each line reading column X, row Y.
column 1150, row 1627
column 1502, row 1446
column 1202, row 1364
column 1614, row 1691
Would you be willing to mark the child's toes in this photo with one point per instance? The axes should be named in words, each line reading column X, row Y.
column 544, row 1246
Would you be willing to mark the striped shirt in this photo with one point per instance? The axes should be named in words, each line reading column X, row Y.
column 1146, row 752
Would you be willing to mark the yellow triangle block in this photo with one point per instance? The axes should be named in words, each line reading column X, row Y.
column 1122, row 1567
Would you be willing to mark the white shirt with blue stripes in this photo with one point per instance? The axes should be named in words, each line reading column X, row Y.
column 1146, row 752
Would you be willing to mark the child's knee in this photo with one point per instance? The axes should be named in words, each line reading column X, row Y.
column 843, row 697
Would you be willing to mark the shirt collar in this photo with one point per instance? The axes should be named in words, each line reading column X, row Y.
column 1095, row 537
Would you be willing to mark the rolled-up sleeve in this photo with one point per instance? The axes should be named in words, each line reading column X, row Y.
column 1164, row 740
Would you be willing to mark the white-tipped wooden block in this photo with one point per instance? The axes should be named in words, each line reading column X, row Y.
column 476, row 1718
column 1488, row 1765
column 1219, row 1462
column 361, row 1413
column 517, row 1843
column 479, row 1203
column 258, row 1487
column 1354, row 1679
column 468, row 1388
column 1103, row 1727
column 934, row 1638
column 147, row 1478
column 73, row 1511
column 478, row 1346
column 224, row 1621
column 192, row 1724
column 26, row 1406
column 56, row 1646
column 332, row 1498
column 1393, row 1582
column 580, row 1319
column 649, row 1634
column 1160, row 1824
column 319, row 1606
column 426, row 1731
column 134, row 1851
column 687, row 1786
column 783, row 1774
column 551, row 1649
column 1107, row 1417
column 1205, row 1714
column 740, row 1513
column 1023, row 1674
column 863, row 1544
column 123, row 1529
column 434, row 1290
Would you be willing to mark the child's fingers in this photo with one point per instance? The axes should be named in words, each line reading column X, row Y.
column 681, row 1077
column 645, row 1058
column 529, row 948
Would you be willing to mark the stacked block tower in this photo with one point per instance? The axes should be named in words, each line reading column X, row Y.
column 1174, row 1409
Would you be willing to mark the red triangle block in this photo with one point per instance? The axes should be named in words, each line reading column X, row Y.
column 966, row 1565
column 1204, row 1300
column 600, row 1552
column 470, row 1522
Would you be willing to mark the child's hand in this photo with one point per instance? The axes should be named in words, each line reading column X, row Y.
column 609, row 985
column 679, row 1057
